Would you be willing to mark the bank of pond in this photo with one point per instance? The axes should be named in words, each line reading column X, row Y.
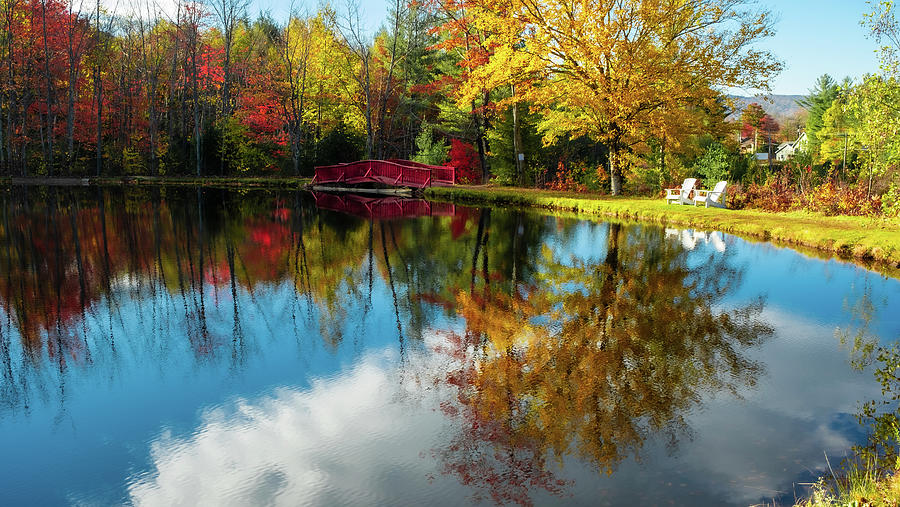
column 176, row 345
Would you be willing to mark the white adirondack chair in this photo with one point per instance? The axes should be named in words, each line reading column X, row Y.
column 714, row 197
column 681, row 195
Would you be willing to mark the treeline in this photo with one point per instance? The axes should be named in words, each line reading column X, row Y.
column 204, row 92
column 525, row 92
column 619, row 97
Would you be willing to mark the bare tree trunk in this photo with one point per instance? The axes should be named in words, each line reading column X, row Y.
column 367, row 87
column 196, row 94
column 70, row 118
column 98, row 92
column 294, row 105
column 7, row 35
column 615, row 171
column 73, row 52
column 386, row 87
column 228, row 12
column 152, row 64
column 482, row 125
column 10, row 92
column 11, row 97
column 351, row 31
column 51, row 116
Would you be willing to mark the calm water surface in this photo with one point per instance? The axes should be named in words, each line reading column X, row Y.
column 166, row 347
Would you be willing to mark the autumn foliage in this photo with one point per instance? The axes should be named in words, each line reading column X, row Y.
column 465, row 160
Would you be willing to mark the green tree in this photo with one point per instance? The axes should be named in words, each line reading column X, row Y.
column 714, row 164
column 834, row 137
column 875, row 107
column 883, row 27
column 876, row 104
column 429, row 151
column 820, row 98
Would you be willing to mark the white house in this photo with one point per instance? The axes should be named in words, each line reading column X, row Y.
column 785, row 151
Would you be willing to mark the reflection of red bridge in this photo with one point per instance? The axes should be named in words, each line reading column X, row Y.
column 398, row 173
column 382, row 207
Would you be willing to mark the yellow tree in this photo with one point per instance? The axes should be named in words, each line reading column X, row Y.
column 307, row 56
column 620, row 71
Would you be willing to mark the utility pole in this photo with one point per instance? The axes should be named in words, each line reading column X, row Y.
column 519, row 156
column 844, row 165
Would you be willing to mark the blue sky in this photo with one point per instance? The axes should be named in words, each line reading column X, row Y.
column 813, row 37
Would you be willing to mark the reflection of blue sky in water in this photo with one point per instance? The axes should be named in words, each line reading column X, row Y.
column 105, row 412
column 365, row 437
column 354, row 424
column 360, row 438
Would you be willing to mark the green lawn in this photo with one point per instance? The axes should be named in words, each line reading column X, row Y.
column 861, row 238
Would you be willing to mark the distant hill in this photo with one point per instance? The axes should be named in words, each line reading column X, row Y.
column 778, row 106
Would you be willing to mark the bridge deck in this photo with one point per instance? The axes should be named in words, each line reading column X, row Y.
column 398, row 173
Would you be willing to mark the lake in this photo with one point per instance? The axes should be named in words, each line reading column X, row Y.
column 180, row 346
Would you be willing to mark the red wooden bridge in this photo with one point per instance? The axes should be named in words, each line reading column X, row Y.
column 394, row 172
column 381, row 208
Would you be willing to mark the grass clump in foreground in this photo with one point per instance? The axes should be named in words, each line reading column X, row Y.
column 860, row 486
column 862, row 238
column 870, row 476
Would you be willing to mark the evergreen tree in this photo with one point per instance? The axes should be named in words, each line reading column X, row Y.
column 820, row 98
column 429, row 151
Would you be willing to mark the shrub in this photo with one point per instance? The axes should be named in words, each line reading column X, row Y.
column 890, row 201
column 464, row 158
column 780, row 192
column 830, row 198
column 340, row 144
column 567, row 179
column 776, row 194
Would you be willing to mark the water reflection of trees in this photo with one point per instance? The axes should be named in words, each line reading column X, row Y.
column 560, row 356
column 79, row 266
column 590, row 358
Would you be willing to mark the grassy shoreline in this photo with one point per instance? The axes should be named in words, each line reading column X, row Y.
column 293, row 182
column 863, row 239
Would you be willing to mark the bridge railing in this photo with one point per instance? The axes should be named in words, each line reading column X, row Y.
column 443, row 175
column 391, row 172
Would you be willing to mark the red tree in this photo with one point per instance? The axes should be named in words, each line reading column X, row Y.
column 464, row 158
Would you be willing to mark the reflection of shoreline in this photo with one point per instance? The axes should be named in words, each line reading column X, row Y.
column 382, row 208
column 79, row 271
